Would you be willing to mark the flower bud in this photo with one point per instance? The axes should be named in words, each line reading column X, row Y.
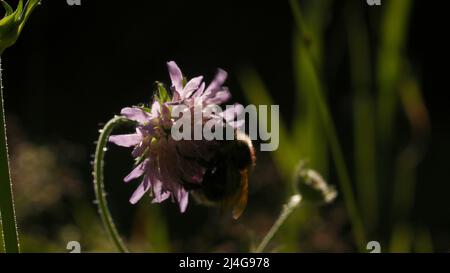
column 13, row 22
column 313, row 187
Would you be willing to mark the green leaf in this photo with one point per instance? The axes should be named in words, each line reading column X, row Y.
column 18, row 12
column 28, row 9
column 7, row 7
column 163, row 95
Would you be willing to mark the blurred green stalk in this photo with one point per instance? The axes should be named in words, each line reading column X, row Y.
column 330, row 130
column 406, row 169
column 150, row 229
column 394, row 30
column 363, row 118
column 288, row 208
column 308, row 131
column 7, row 213
column 257, row 93
column 11, row 25
column 308, row 134
column 390, row 71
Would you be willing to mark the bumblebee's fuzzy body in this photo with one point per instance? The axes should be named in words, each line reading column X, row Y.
column 225, row 181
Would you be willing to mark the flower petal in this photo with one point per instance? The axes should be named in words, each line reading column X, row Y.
column 159, row 194
column 136, row 114
column 155, row 109
column 128, row 140
column 138, row 150
column 232, row 112
column 219, row 97
column 192, row 86
column 140, row 191
column 216, row 84
column 239, row 124
column 137, row 172
column 182, row 198
column 175, row 76
column 199, row 91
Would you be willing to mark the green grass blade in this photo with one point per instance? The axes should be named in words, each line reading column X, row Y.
column 257, row 93
column 308, row 133
column 330, row 130
column 404, row 190
column 394, row 31
column 363, row 118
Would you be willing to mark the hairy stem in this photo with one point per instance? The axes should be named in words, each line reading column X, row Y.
column 7, row 214
column 288, row 208
column 99, row 188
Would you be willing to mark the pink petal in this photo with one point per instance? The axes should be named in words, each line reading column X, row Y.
column 155, row 109
column 128, row 140
column 135, row 114
column 159, row 194
column 138, row 150
column 182, row 198
column 219, row 97
column 191, row 86
column 237, row 124
column 140, row 191
column 199, row 90
column 231, row 113
column 175, row 76
column 137, row 172
column 219, row 79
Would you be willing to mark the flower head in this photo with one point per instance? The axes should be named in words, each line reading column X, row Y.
column 194, row 89
column 169, row 168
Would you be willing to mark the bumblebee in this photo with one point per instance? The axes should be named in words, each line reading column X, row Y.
column 225, row 181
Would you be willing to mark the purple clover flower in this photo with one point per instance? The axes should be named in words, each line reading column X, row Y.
column 169, row 168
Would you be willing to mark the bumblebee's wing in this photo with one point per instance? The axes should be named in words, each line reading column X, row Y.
column 240, row 200
column 236, row 202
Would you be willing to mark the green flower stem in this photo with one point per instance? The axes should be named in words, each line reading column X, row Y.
column 288, row 208
column 330, row 130
column 99, row 188
column 364, row 119
column 7, row 214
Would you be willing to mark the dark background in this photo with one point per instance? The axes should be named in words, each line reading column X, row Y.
column 75, row 66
